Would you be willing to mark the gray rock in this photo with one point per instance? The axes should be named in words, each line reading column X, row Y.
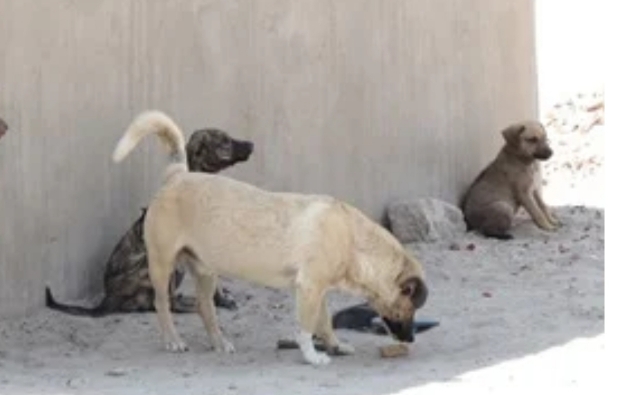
column 425, row 220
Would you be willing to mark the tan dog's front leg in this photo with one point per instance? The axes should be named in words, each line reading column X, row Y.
column 205, row 288
column 545, row 209
column 325, row 331
column 160, row 274
column 308, row 309
column 529, row 203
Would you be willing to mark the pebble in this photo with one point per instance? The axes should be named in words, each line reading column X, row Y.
column 116, row 372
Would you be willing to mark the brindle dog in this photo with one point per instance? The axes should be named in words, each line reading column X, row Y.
column 127, row 286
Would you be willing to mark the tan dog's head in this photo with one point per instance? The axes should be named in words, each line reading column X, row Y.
column 411, row 294
column 528, row 140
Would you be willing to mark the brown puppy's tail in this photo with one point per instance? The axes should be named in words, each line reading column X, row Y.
column 97, row 311
column 170, row 134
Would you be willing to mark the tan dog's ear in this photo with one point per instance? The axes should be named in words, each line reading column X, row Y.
column 415, row 289
column 512, row 133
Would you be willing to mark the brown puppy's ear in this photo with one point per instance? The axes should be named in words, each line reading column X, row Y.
column 415, row 289
column 512, row 133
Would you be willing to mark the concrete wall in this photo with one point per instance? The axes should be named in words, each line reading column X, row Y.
column 368, row 100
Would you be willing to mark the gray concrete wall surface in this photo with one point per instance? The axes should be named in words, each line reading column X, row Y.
column 367, row 100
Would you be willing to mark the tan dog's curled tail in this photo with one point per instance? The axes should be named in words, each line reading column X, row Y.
column 154, row 121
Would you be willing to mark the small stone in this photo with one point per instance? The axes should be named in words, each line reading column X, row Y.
column 487, row 294
column 117, row 372
column 471, row 247
column 394, row 350
column 75, row 382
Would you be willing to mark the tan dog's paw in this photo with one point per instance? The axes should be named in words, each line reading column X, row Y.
column 305, row 342
column 226, row 346
column 343, row 349
column 176, row 346
column 317, row 358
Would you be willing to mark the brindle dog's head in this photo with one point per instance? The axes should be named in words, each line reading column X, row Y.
column 528, row 140
column 3, row 127
column 398, row 316
column 211, row 150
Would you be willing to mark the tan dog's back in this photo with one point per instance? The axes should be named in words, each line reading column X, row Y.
column 259, row 234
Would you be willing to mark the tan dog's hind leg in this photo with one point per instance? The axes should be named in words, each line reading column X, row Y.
column 536, row 213
column 160, row 274
column 324, row 330
column 205, row 288
column 308, row 310
column 545, row 209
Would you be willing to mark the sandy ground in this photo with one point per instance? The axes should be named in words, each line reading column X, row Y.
column 525, row 315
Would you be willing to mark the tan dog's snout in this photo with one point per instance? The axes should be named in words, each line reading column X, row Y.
column 400, row 321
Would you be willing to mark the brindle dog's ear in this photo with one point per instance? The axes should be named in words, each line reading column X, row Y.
column 512, row 133
column 415, row 289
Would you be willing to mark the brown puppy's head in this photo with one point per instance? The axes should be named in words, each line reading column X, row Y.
column 398, row 316
column 3, row 127
column 528, row 140
column 211, row 150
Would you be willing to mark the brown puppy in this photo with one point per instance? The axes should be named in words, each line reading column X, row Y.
column 127, row 287
column 511, row 181
column 308, row 243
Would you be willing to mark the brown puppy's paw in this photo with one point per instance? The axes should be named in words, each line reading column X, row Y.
column 499, row 235
column 555, row 221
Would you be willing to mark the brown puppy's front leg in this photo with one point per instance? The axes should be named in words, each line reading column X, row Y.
column 545, row 209
column 308, row 307
column 324, row 330
column 205, row 288
column 529, row 204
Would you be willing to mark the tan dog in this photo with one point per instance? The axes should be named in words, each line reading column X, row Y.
column 511, row 181
column 308, row 243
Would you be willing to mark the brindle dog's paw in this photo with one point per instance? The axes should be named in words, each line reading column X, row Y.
column 222, row 298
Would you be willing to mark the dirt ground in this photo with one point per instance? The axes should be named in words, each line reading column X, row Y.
column 527, row 314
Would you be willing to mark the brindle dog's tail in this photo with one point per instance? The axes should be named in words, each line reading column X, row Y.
column 170, row 134
column 98, row 311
